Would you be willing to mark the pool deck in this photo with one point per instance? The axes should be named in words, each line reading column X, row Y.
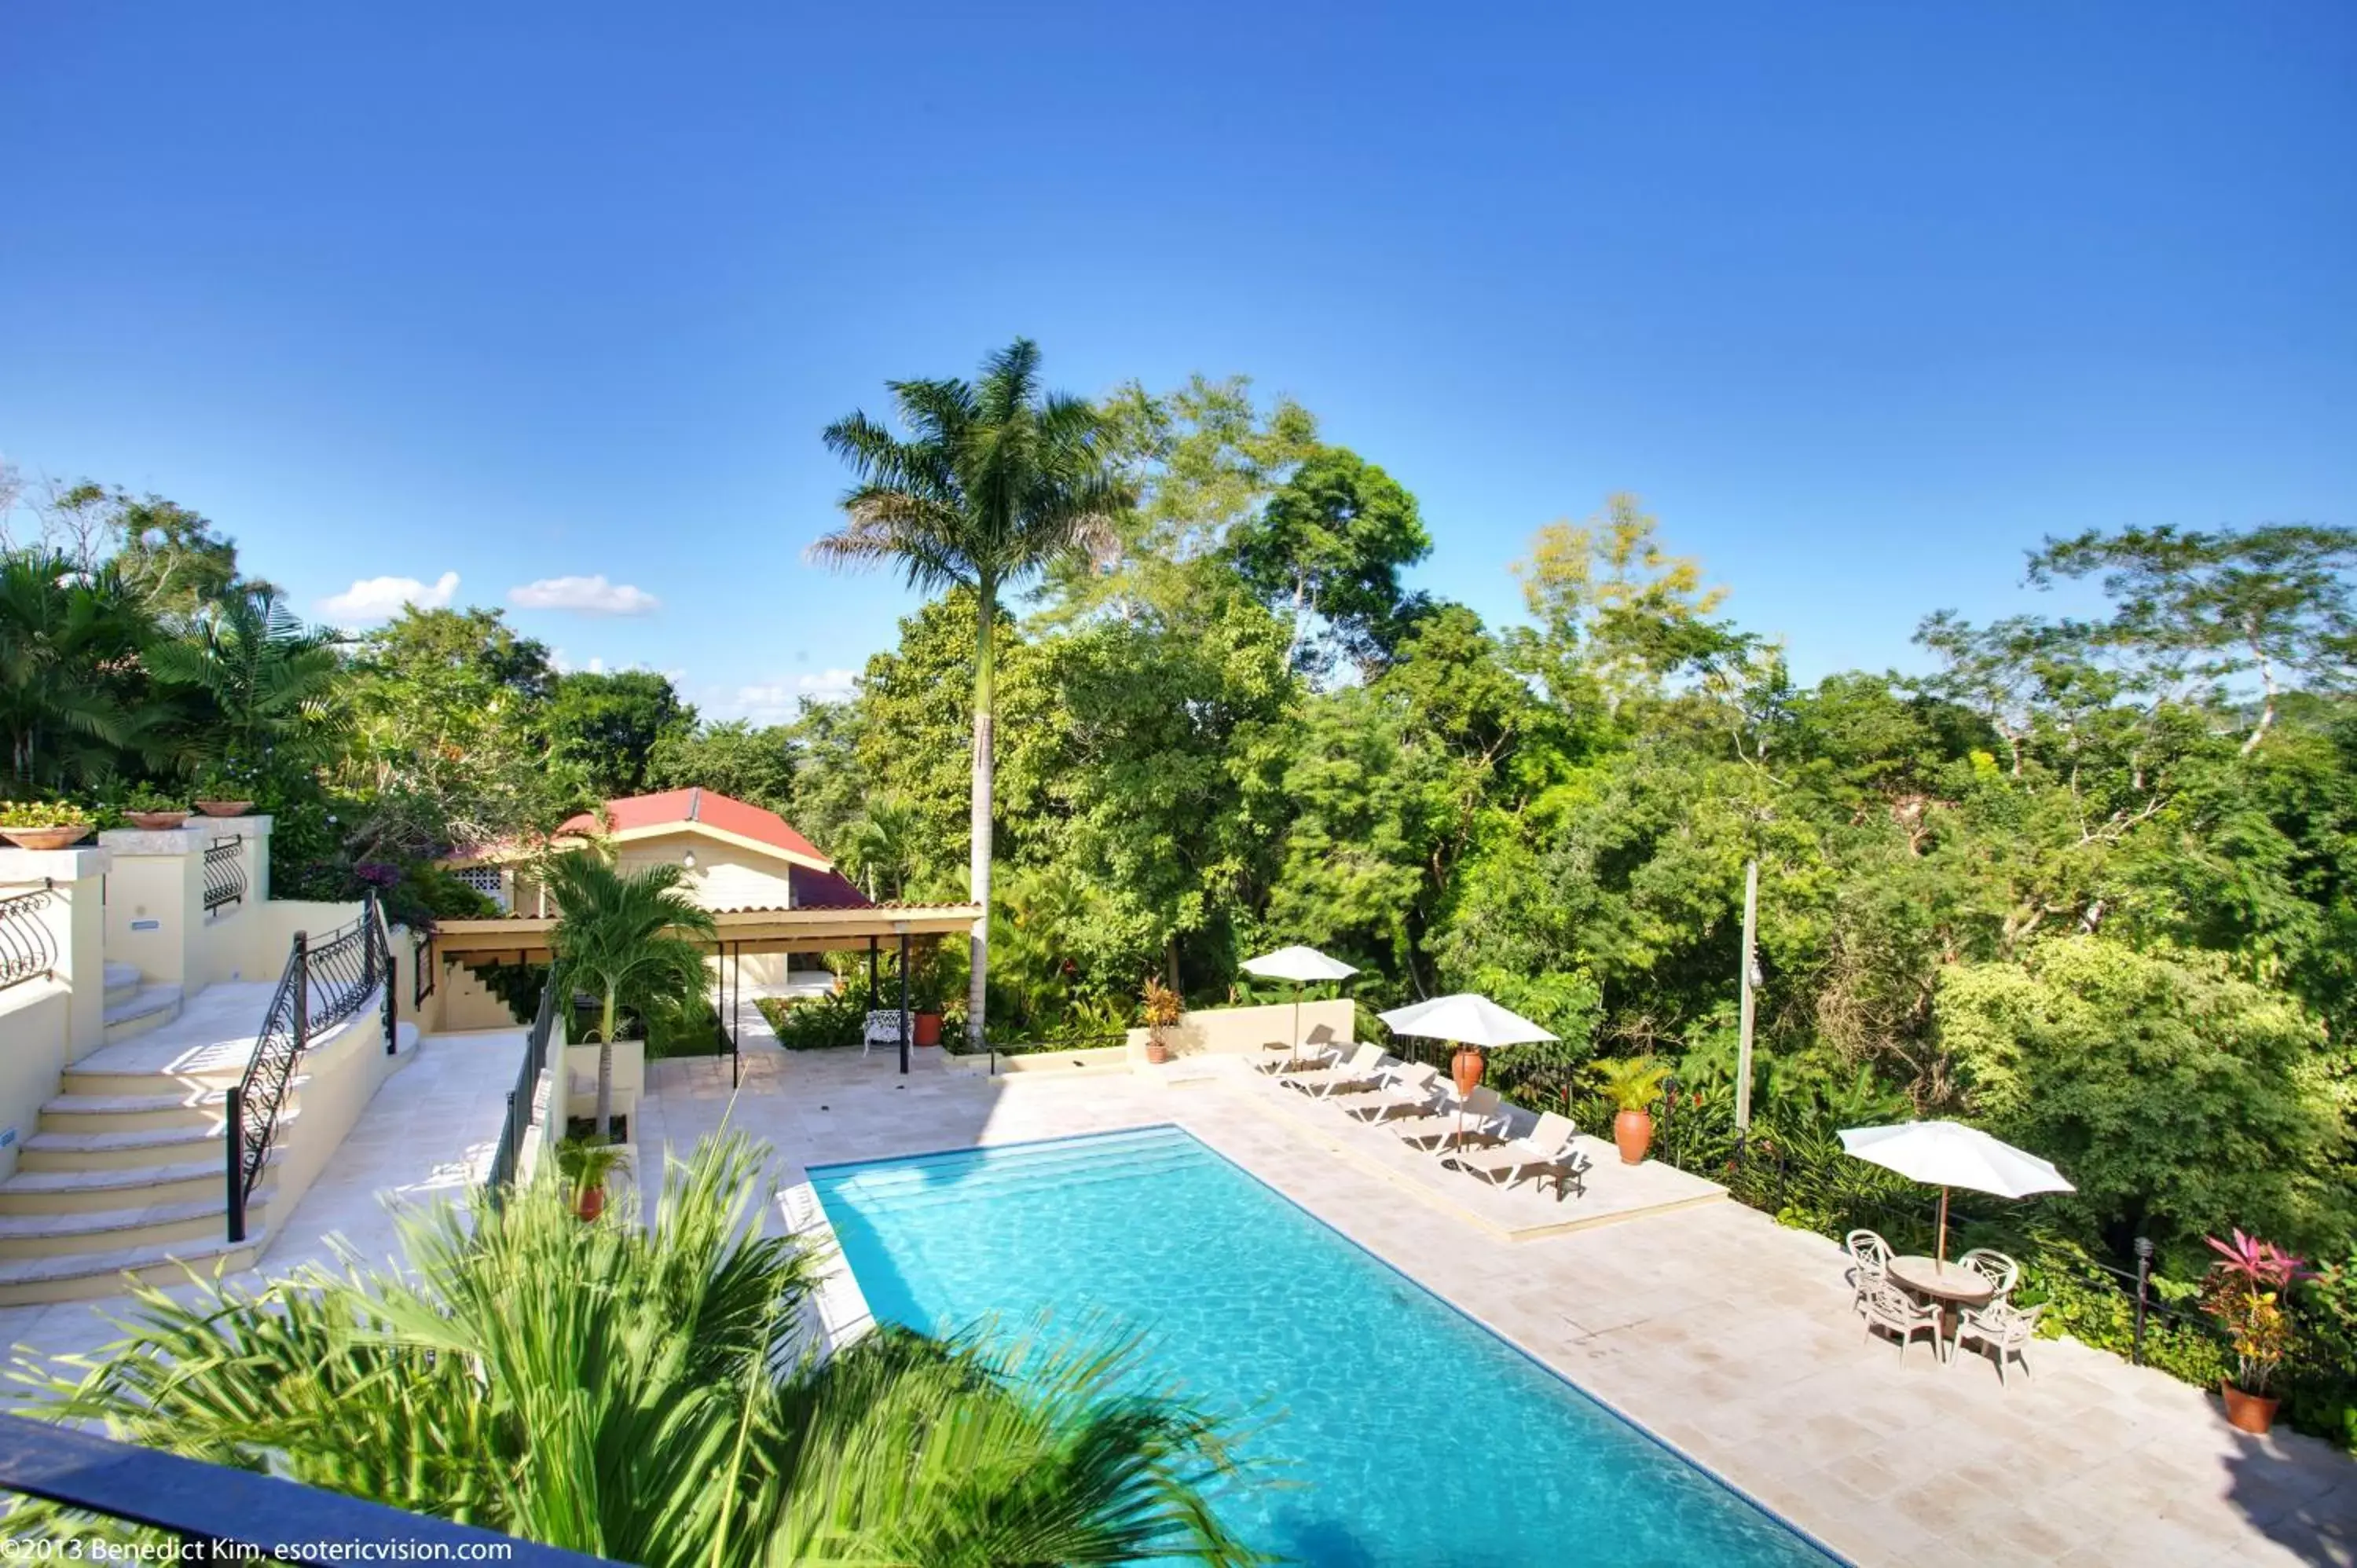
column 1723, row 1334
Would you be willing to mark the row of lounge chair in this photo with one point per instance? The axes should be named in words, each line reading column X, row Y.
column 1422, row 1107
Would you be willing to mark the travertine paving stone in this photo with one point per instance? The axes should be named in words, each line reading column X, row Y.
column 1720, row 1331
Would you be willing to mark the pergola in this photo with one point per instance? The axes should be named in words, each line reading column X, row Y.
column 524, row 938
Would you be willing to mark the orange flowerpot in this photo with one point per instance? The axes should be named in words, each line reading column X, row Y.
column 590, row 1203
column 2254, row 1413
column 155, row 822
column 1633, row 1135
column 928, row 1028
column 44, row 838
column 1157, row 1053
column 1465, row 1070
column 224, row 808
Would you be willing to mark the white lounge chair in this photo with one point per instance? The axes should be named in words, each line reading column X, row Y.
column 1544, row 1151
column 1310, row 1056
column 1407, row 1089
column 1478, row 1112
column 1364, row 1068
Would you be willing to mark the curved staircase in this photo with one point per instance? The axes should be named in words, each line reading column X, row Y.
column 126, row 1170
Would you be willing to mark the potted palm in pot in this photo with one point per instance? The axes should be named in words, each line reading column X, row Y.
column 1161, row 1009
column 2245, row 1294
column 584, row 1163
column 1632, row 1084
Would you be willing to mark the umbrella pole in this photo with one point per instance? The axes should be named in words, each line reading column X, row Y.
column 1942, row 1258
column 1297, row 1020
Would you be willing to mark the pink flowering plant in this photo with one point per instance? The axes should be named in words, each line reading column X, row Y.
column 2245, row 1294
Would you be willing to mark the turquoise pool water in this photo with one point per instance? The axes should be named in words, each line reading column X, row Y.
column 1414, row 1435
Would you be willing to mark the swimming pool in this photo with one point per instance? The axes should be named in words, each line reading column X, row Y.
column 1417, row 1436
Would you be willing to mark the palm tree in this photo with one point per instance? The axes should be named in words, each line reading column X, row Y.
column 270, row 679
column 633, row 937
column 653, row 1395
column 881, row 844
column 73, row 693
column 994, row 481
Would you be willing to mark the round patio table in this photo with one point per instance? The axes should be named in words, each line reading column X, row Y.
column 1953, row 1285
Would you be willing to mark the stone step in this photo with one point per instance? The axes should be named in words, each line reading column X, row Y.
column 193, row 1105
column 103, row 1230
column 122, row 982
column 83, row 1276
column 91, row 1191
column 83, row 1149
column 149, row 1008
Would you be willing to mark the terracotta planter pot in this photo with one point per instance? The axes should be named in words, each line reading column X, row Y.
column 155, row 822
column 928, row 1028
column 2254, row 1413
column 44, row 838
column 224, row 808
column 1157, row 1053
column 1633, row 1135
column 591, row 1202
column 1465, row 1070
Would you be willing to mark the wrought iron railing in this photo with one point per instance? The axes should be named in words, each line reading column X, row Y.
column 510, row 1152
column 225, row 873
column 28, row 949
column 324, row 983
column 216, row 1514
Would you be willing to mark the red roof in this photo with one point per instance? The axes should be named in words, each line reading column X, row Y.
column 675, row 807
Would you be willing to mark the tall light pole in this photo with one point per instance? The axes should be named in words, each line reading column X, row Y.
column 1750, row 980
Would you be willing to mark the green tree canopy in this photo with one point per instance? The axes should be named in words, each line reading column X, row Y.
column 1329, row 546
column 610, row 724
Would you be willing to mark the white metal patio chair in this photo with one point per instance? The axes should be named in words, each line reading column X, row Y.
column 1894, row 1312
column 883, row 1029
column 2001, row 1272
column 1869, row 1261
column 2001, row 1329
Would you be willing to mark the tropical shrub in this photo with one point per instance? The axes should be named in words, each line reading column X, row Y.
column 648, row 1394
column 816, row 1022
column 43, row 814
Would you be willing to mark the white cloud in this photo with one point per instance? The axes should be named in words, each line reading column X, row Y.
column 827, row 684
column 780, row 701
column 587, row 595
column 380, row 598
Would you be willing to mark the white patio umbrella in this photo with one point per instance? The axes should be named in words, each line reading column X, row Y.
column 1303, row 966
column 1948, row 1155
column 1464, row 1019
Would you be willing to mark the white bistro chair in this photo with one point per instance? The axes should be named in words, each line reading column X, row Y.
column 883, row 1029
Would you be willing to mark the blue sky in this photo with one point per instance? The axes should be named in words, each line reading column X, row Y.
column 1862, row 299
